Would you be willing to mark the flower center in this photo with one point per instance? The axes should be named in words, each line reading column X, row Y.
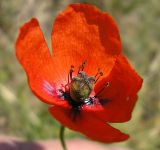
column 81, row 86
column 78, row 90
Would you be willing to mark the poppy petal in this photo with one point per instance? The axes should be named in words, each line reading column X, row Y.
column 88, row 124
column 82, row 32
column 34, row 55
column 120, row 97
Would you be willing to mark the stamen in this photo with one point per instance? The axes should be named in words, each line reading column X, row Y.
column 81, row 67
column 100, row 73
column 69, row 78
column 105, row 86
column 70, row 74
column 71, row 71
column 97, row 72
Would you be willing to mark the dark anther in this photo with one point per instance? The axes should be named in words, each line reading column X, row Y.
column 70, row 74
column 97, row 73
column 71, row 71
column 81, row 67
column 101, row 90
column 100, row 73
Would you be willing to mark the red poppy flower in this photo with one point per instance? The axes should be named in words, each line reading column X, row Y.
column 87, row 79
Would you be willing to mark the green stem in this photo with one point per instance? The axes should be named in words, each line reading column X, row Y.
column 61, row 136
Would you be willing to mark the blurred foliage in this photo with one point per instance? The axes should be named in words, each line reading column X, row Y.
column 21, row 114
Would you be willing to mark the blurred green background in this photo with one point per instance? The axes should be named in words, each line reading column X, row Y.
column 23, row 115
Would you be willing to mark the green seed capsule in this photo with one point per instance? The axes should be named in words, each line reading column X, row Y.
column 81, row 87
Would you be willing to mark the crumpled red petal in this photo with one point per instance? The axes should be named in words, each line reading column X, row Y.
column 33, row 54
column 88, row 124
column 82, row 32
column 120, row 96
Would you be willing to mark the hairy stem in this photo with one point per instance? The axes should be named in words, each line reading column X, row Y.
column 61, row 136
